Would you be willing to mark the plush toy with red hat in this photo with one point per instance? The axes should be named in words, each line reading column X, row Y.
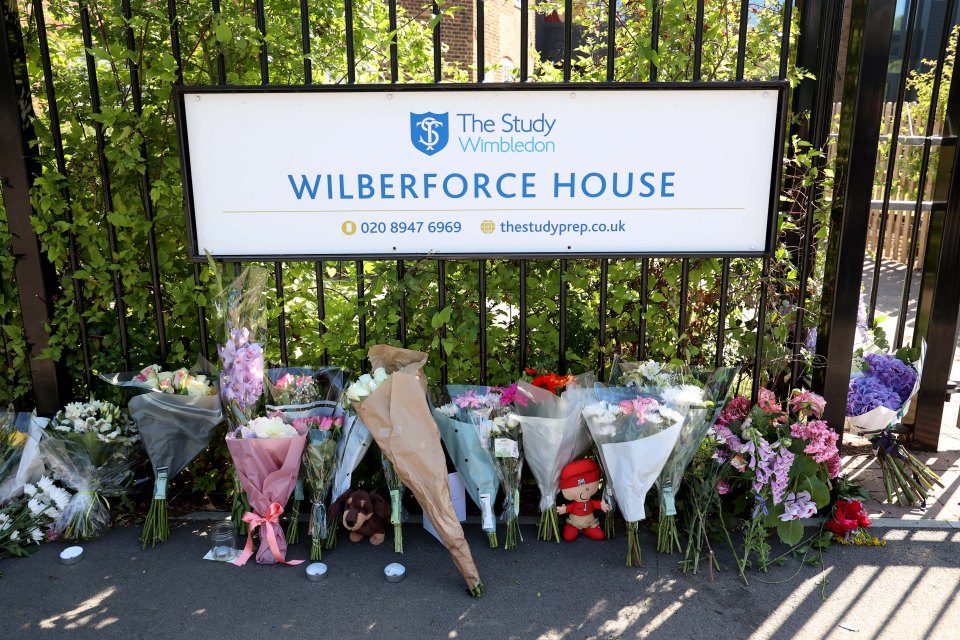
column 579, row 481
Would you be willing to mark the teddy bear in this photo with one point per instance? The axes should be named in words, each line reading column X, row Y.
column 579, row 480
column 364, row 514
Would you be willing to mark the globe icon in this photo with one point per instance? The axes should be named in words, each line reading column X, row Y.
column 488, row 226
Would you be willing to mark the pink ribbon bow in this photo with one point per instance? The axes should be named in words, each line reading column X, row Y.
column 255, row 520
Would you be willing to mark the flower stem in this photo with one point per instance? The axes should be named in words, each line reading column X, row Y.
column 667, row 537
column 398, row 538
column 492, row 539
column 292, row 534
column 634, row 557
column 331, row 540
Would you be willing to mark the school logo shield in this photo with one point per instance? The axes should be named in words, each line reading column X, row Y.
column 429, row 131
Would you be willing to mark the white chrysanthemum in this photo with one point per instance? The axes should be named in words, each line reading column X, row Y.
column 14, row 535
column 36, row 506
column 669, row 414
column 449, row 410
column 272, row 428
column 649, row 369
column 683, row 395
column 45, row 484
column 4, row 522
column 60, row 497
column 35, row 534
column 29, row 490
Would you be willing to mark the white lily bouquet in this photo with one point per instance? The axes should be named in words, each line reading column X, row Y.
column 635, row 434
column 90, row 447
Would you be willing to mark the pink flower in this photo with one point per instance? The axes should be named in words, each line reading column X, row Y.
column 833, row 466
column 723, row 487
column 821, row 439
column 285, row 380
column 626, row 406
column 640, row 406
column 767, row 401
column 736, row 410
column 509, row 395
column 808, row 403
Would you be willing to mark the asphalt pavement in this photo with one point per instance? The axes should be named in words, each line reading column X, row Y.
column 542, row 591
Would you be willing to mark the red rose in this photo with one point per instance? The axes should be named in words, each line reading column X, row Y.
column 849, row 516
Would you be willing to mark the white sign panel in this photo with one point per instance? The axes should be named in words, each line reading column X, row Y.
column 481, row 172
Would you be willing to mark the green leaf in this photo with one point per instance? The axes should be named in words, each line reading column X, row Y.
column 818, row 491
column 223, row 33
column 790, row 532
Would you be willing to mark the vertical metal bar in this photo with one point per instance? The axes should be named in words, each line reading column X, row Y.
column 644, row 301
column 567, row 49
column 401, row 283
column 442, row 303
column 481, row 28
column 602, row 313
column 611, row 40
column 742, row 38
column 522, row 341
column 654, row 38
column 437, row 51
column 684, row 294
column 221, row 64
column 178, row 79
column 37, row 283
column 321, row 311
column 922, row 180
column 698, row 43
column 524, row 38
column 261, row 18
column 281, row 319
column 105, row 179
column 817, row 49
column 53, row 112
column 722, row 313
column 892, row 159
column 305, row 41
column 394, row 57
column 871, row 26
column 482, row 266
column 939, row 305
column 761, row 332
column 562, row 333
column 362, row 312
column 785, row 38
column 351, row 54
column 134, row 66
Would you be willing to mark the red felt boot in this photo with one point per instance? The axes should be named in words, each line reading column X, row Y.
column 570, row 532
column 594, row 533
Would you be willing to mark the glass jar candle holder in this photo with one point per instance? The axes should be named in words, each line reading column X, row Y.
column 223, row 542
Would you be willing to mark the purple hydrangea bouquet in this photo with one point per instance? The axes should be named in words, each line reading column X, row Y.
column 241, row 315
column 879, row 397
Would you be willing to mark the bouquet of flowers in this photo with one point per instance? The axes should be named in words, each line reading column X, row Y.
column 304, row 392
column 176, row 417
column 465, row 425
column 266, row 455
column 879, row 397
column 319, row 458
column 635, row 435
column 554, row 434
column 350, row 451
column 398, row 416
column 506, row 448
column 90, row 447
column 699, row 396
column 20, row 462
column 395, row 487
column 787, row 467
column 241, row 315
column 29, row 519
column 849, row 524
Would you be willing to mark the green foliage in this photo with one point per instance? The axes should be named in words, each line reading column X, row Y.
column 336, row 296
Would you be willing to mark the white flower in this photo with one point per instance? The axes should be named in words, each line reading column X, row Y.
column 649, row 369
column 14, row 536
column 682, row 396
column 449, row 410
column 4, row 522
column 29, row 490
column 365, row 385
column 36, row 507
column 380, row 376
column 271, row 428
column 198, row 386
column 513, row 420
column 46, row 484
column 150, row 383
column 669, row 414
column 35, row 534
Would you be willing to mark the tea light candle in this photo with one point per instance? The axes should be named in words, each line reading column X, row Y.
column 316, row 571
column 394, row 572
column 71, row 555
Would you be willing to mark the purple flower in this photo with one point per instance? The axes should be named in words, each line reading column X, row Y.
column 781, row 474
column 861, row 321
column 242, row 376
column 892, row 373
column 811, row 342
column 867, row 393
column 797, row 506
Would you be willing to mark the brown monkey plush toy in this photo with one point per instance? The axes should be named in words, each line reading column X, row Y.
column 364, row 514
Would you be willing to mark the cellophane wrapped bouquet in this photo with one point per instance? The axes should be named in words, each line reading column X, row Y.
column 310, row 394
column 634, row 434
column 92, row 448
column 20, row 462
column 882, row 388
column 28, row 519
column 240, row 311
column 176, row 413
column 554, row 434
column 465, row 423
column 319, row 460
